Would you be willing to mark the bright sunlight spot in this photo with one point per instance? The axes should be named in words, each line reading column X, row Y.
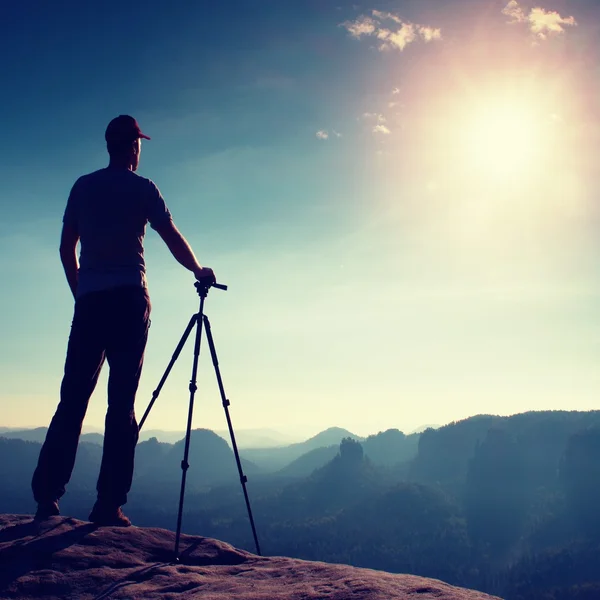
column 506, row 131
column 504, row 138
column 494, row 135
column 497, row 152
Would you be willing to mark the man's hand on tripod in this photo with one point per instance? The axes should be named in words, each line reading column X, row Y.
column 205, row 275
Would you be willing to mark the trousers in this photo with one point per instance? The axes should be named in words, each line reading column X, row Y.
column 109, row 325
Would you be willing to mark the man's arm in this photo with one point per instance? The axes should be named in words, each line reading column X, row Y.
column 68, row 255
column 181, row 250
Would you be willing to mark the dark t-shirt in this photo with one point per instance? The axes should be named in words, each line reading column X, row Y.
column 110, row 208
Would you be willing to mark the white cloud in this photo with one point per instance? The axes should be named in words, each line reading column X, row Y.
column 397, row 39
column 374, row 116
column 383, row 16
column 543, row 22
column 391, row 37
column 539, row 21
column 513, row 10
column 323, row 134
column 362, row 26
column 381, row 129
column 429, row 33
column 378, row 120
column 396, row 91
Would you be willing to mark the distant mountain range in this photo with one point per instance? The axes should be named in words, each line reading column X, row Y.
column 39, row 435
column 423, row 428
column 257, row 438
column 211, row 457
column 245, row 438
column 274, row 459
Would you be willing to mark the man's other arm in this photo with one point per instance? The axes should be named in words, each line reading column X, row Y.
column 181, row 250
column 68, row 255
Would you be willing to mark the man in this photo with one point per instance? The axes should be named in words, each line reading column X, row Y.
column 107, row 211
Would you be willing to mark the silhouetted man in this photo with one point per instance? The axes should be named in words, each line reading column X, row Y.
column 107, row 211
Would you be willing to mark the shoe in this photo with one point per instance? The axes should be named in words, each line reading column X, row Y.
column 46, row 510
column 109, row 516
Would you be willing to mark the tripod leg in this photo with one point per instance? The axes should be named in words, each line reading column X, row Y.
column 184, row 463
column 243, row 478
column 166, row 374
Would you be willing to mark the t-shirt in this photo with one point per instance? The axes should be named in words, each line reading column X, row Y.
column 110, row 208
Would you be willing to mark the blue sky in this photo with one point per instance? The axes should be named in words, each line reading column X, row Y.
column 400, row 196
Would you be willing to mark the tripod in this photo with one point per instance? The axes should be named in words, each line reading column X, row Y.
column 198, row 320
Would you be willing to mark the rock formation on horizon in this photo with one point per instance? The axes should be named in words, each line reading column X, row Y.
column 64, row 558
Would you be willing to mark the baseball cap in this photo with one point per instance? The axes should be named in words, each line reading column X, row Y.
column 123, row 128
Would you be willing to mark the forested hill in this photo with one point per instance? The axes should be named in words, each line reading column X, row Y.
column 538, row 438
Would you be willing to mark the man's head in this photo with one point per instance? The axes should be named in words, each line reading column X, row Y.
column 123, row 136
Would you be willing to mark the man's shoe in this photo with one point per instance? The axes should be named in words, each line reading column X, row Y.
column 109, row 516
column 46, row 510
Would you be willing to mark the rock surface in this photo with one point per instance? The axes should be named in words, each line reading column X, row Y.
column 64, row 558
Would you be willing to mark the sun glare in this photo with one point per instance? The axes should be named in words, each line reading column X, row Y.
column 506, row 133
column 504, row 138
column 502, row 134
column 494, row 159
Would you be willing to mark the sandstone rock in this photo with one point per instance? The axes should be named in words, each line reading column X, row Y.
column 64, row 558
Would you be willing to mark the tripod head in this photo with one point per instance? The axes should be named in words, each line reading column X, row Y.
column 203, row 286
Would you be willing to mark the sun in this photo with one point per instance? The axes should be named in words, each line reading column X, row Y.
column 502, row 140
column 504, row 136
column 490, row 158
column 492, row 134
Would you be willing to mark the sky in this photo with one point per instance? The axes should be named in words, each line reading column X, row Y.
column 402, row 198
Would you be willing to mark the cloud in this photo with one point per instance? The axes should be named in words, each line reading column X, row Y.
column 378, row 121
column 397, row 39
column 374, row 116
column 390, row 37
column 381, row 129
column 543, row 22
column 382, row 16
column 323, row 134
column 429, row 33
column 377, row 116
column 396, row 91
column 362, row 26
column 513, row 10
column 539, row 21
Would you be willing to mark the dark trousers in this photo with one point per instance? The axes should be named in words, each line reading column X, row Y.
column 111, row 325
